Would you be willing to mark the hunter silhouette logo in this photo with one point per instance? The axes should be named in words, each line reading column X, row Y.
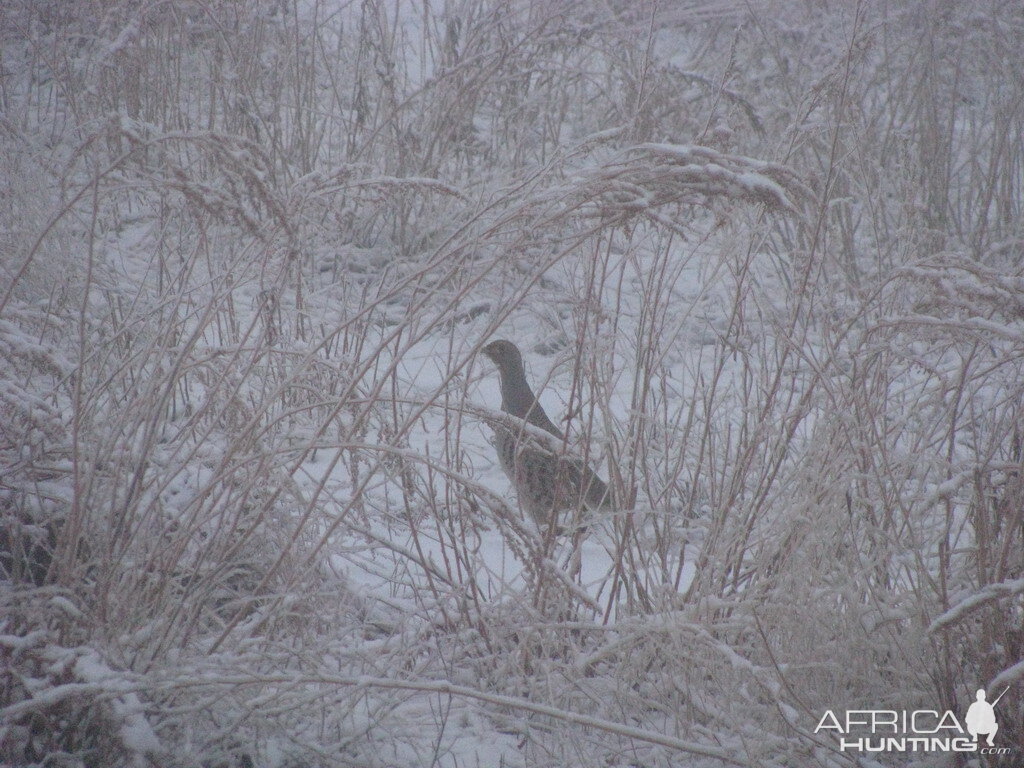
column 981, row 717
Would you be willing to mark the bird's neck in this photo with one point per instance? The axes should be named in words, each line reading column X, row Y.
column 518, row 399
column 516, row 396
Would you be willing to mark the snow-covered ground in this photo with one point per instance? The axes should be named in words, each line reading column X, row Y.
column 763, row 260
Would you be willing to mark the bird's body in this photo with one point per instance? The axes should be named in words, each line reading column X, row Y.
column 545, row 479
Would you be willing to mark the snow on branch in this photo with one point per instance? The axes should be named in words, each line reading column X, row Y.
column 984, row 596
column 1008, row 676
column 56, row 685
column 644, row 177
column 444, row 688
column 968, row 328
column 967, row 287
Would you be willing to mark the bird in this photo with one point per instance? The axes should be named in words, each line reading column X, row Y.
column 546, row 480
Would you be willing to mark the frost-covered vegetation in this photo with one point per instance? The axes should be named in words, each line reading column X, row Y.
column 768, row 256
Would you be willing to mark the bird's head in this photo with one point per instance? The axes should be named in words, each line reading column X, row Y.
column 505, row 355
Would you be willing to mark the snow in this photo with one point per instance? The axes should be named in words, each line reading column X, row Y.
column 135, row 731
column 1008, row 676
column 250, row 509
column 987, row 594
